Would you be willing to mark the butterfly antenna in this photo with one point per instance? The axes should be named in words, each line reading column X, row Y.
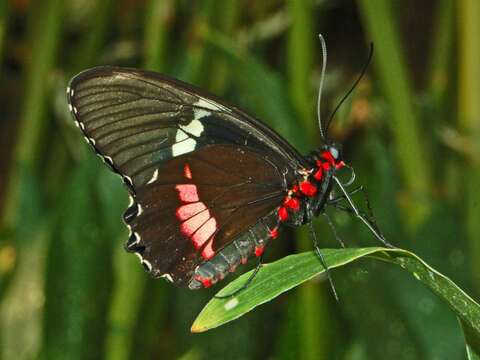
column 364, row 70
column 320, row 86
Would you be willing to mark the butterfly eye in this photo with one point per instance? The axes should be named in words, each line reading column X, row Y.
column 335, row 152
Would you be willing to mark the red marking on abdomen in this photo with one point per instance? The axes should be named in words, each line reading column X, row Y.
column 187, row 172
column 185, row 212
column 259, row 251
column 282, row 213
column 187, row 192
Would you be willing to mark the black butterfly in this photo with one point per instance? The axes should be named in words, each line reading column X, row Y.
column 209, row 185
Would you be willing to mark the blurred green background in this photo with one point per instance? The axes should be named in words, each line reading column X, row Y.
column 411, row 129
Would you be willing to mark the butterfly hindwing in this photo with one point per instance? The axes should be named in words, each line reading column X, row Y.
column 198, row 203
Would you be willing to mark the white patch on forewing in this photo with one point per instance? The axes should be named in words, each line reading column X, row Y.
column 200, row 113
column 139, row 256
column 210, row 104
column 231, row 304
column 167, row 277
column 140, row 209
column 183, row 143
column 68, row 89
column 180, row 135
column 154, row 177
column 131, row 200
column 183, row 147
column 194, row 127
column 70, row 107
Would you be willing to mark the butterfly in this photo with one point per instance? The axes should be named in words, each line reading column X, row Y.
column 209, row 185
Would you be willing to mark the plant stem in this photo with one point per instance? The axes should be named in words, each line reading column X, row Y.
column 469, row 118
column 392, row 71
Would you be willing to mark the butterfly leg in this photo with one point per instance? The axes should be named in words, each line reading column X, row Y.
column 337, row 199
column 365, row 219
column 319, row 254
column 247, row 283
column 334, row 230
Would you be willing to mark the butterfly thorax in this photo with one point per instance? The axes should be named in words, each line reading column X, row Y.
column 306, row 197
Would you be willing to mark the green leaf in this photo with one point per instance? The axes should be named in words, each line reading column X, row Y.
column 282, row 275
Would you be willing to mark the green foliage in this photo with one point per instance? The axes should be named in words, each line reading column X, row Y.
column 411, row 131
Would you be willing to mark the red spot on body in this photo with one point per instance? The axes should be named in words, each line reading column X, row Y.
column 274, row 233
column 307, row 188
column 259, row 251
column 295, row 188
column 187, row 192
column 326, row 166
column 292, row 203
column 205, row 281
column 339, row 165
column 318, row 174
column 282, row 213
column 187, row 172
column 185, row 212
column 328, row 156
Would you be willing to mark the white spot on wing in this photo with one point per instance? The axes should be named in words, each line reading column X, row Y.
column 147, row 264
column 185, row 144
column 70, row 107
column 194, row 127
column 140, row 209
column 74, row 110
column 180, row 135
column 200, row 113
column 127, row 179
column 231, row 304
column 137, row 238
column 109, row 159
column 167, row 277
column 154, row 177
column 183, row 147
column 139, row 256
column 68, row 89
column 210, row 104
column 131, row 200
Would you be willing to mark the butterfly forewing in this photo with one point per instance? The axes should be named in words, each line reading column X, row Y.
column 138, row 119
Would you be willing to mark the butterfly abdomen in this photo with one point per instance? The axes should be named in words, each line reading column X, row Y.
column 250, row 244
